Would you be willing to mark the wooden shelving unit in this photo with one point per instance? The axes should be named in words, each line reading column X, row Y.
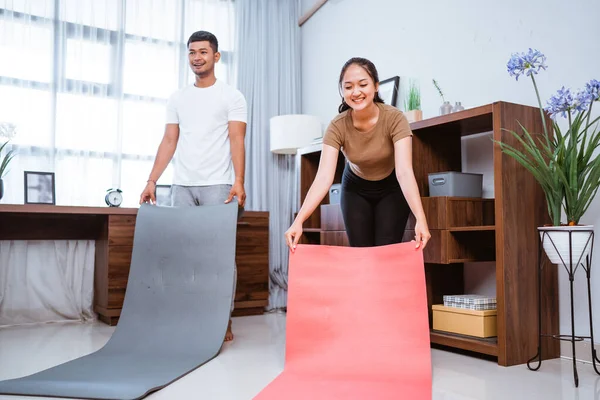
column 503, row 229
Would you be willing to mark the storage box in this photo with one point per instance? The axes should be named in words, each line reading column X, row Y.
column 470, row 302
column 464, row 322
column 455, row 184
column 334, row 193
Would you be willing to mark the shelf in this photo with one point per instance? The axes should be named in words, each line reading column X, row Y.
column 473, row 228
column 487, row 346
column 466, row 260
column 467, row 122
column 311, row 230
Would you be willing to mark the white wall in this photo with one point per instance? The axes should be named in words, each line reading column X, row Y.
column 464, row 45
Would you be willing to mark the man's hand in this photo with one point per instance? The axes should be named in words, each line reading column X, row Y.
column 148, row 194
column 238, row 191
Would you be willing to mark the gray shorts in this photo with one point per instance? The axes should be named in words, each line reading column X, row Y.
column 182, row 196
column 201, row 196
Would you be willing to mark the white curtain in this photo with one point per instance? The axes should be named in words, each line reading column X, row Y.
column 268, row 59
column 46, row 281
column 86, row 82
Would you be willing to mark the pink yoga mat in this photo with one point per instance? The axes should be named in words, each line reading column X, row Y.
column 357, row 325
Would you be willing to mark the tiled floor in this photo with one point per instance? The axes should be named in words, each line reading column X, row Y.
column 256, row 356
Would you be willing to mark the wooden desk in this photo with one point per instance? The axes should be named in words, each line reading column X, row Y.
column 113, row 229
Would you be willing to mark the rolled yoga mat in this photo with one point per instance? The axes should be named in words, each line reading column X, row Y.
column 175, row 313
column 357, row 325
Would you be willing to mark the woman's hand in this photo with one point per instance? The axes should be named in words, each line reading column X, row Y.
column 422, row 234
column 292, row 235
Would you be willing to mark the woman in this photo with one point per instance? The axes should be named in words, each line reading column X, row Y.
column 379, row 188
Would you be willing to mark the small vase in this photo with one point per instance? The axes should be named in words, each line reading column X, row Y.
column 1, row 188
column 458, row 107
column 413, row 115
column 446, row 108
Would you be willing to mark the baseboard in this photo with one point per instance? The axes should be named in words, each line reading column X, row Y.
column 583, row 350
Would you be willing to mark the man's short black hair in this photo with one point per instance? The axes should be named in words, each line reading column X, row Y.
column 204, row 36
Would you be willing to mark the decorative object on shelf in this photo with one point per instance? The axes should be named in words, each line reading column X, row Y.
column 412, row 104
column 470, row 301
column 114, row 197
column 162, row 194
column 458, row 107
column 290, row 132
column 39, row 187
column 564, row 164
column 388, row 90
column 565, row 167
column 446, row 107
column 7, row 131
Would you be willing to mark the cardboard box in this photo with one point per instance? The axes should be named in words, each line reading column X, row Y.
column 478, row 323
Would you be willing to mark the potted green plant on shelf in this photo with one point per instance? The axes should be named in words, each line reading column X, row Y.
column 564, row 163
column 7, row 131
column 412, row 104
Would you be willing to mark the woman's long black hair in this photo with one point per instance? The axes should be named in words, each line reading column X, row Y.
column 371, row 70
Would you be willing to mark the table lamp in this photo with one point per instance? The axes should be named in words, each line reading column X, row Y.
column 293, row 131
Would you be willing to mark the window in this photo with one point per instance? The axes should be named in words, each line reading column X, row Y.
column 25, row 45
column 144, row 63
column 87, row 84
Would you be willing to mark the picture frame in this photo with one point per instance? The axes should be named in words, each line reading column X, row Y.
column 388, row 90
column 162, row 194
column 40, row 187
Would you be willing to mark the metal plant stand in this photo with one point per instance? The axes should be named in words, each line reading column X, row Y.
column 571, row 267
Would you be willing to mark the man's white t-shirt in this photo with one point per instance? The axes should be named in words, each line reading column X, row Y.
column 203, row 155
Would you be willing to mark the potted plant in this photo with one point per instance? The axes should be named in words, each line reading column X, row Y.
column 7, row 131
column 412, row 104
column 564, row 164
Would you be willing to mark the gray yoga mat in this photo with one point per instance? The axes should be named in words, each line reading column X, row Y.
column 175, row 313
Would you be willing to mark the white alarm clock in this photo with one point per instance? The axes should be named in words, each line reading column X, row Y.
column 113, row 197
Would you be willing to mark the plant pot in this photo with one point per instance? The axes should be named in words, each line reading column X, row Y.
column 556, row 243
column 414, row 115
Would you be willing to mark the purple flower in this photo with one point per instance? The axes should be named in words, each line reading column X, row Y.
column 592, row 90
column 564, row 102
column 526, row 63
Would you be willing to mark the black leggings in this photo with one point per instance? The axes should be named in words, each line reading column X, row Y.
column 375, row 212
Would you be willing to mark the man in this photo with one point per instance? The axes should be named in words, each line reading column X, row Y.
column 206, row 124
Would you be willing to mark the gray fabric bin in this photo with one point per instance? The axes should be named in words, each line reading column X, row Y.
column 334, row 193
column 455, row 184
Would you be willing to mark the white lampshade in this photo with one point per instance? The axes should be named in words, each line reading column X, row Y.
column 291, row 132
